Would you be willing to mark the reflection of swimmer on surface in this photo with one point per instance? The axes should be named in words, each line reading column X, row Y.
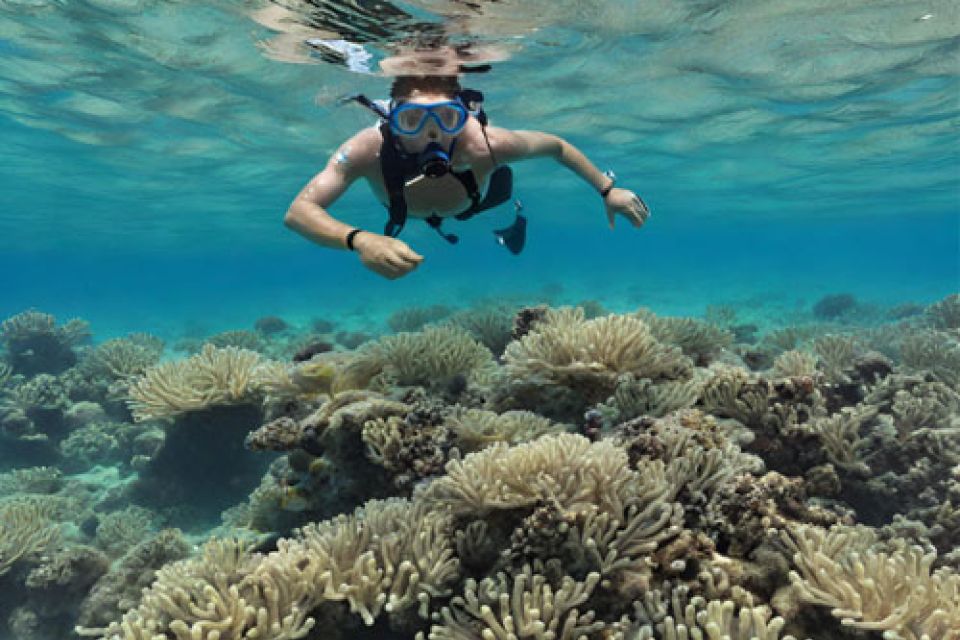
column 343, row 31
column 429, row 157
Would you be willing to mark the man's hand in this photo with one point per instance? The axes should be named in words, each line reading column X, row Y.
column 628, row 204
column 387, row 256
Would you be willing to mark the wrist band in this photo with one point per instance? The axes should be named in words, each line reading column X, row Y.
column 613, row 180
column 351, row 236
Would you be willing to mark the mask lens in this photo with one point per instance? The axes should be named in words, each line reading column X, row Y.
column 451, row 117
column 408, row 119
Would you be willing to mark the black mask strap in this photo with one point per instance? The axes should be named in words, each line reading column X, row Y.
column 368, row 103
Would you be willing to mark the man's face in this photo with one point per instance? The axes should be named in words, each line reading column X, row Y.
column 431, row 131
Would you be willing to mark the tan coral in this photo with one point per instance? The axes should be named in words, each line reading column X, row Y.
column 686, row 618
column 477, row 428
column 226, row 593
column 840, row 436
column 795, row 364
column 894, row 592
column 589, row 355
column 210, row 378
column 525, row 606
column 27, row 528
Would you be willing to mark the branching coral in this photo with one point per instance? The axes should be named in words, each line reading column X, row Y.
column 890, row 591
column 700, row 340
column 122, row 358
column 224, row 594
column 694, row 618
column 934, row 351
column 840, row 435
column 476, row 428
column 211, row 378
column 642, row 397
column 795, row 363
column 837, row 353
column 567, row 467
column 619, row 515
column 945, row 314
column 389, row 556
column 430, row 358
column 36, row 344
column 522, row 606
column 589, row 355
column 490, row 325
column 731, row 392
column 27, row 527
column 411, row 319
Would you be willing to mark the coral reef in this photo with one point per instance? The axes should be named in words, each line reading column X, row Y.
column 35, row 344
column 214, row 377
column 611, row 477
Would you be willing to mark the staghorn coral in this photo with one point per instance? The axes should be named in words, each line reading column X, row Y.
column 35, row 344
column 613, row 516
column 840, row 436
column 890, row 591
column 43, row 480
column 684, row 617
column 521, row 606
column 564, row 352
column 413, row 319
column 944, row 314
column 122, row 358
column 578, row 474
column 390, row 556
column 795, row 363
column 211, row 378
column 732, row 393
column 492, row 325
column 635, row 397
column 933, row 351
column 431, row 358
column 789, row 338
column 474, row 429
column 226, row 593
column 239, row 339
column 119, row 531
column 700, row 340
column 121, row 588
column 837, row 353
column 27, row 528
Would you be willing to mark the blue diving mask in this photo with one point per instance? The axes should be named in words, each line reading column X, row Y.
column 409, row 118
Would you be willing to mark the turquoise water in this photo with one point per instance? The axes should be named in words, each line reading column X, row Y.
column 806, row 144
column 788, row 151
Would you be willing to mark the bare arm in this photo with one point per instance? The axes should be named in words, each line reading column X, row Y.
column 510, row 146
column 308, row 214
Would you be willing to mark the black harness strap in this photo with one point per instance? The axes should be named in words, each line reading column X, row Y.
column 397, row 167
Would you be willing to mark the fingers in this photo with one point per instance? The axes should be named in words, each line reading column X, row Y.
column 639, row 211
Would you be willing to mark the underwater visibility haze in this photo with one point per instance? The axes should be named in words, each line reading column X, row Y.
column 738, row 421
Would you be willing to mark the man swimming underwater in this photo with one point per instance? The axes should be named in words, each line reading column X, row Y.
column 429, row 158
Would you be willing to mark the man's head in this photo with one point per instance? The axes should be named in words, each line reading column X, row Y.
column 441, row 119
column 410, row 87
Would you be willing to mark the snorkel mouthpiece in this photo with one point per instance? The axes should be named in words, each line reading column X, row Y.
column 434, row 161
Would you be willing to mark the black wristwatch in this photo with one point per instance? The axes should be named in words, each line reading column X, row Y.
column 613, row 180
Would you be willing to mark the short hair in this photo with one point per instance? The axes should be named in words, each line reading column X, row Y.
column 404, row 86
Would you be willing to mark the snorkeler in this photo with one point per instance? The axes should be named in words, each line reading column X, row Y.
column 429, row 157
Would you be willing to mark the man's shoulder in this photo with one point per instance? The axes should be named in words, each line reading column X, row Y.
column 363, row 149
column 367, row 141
